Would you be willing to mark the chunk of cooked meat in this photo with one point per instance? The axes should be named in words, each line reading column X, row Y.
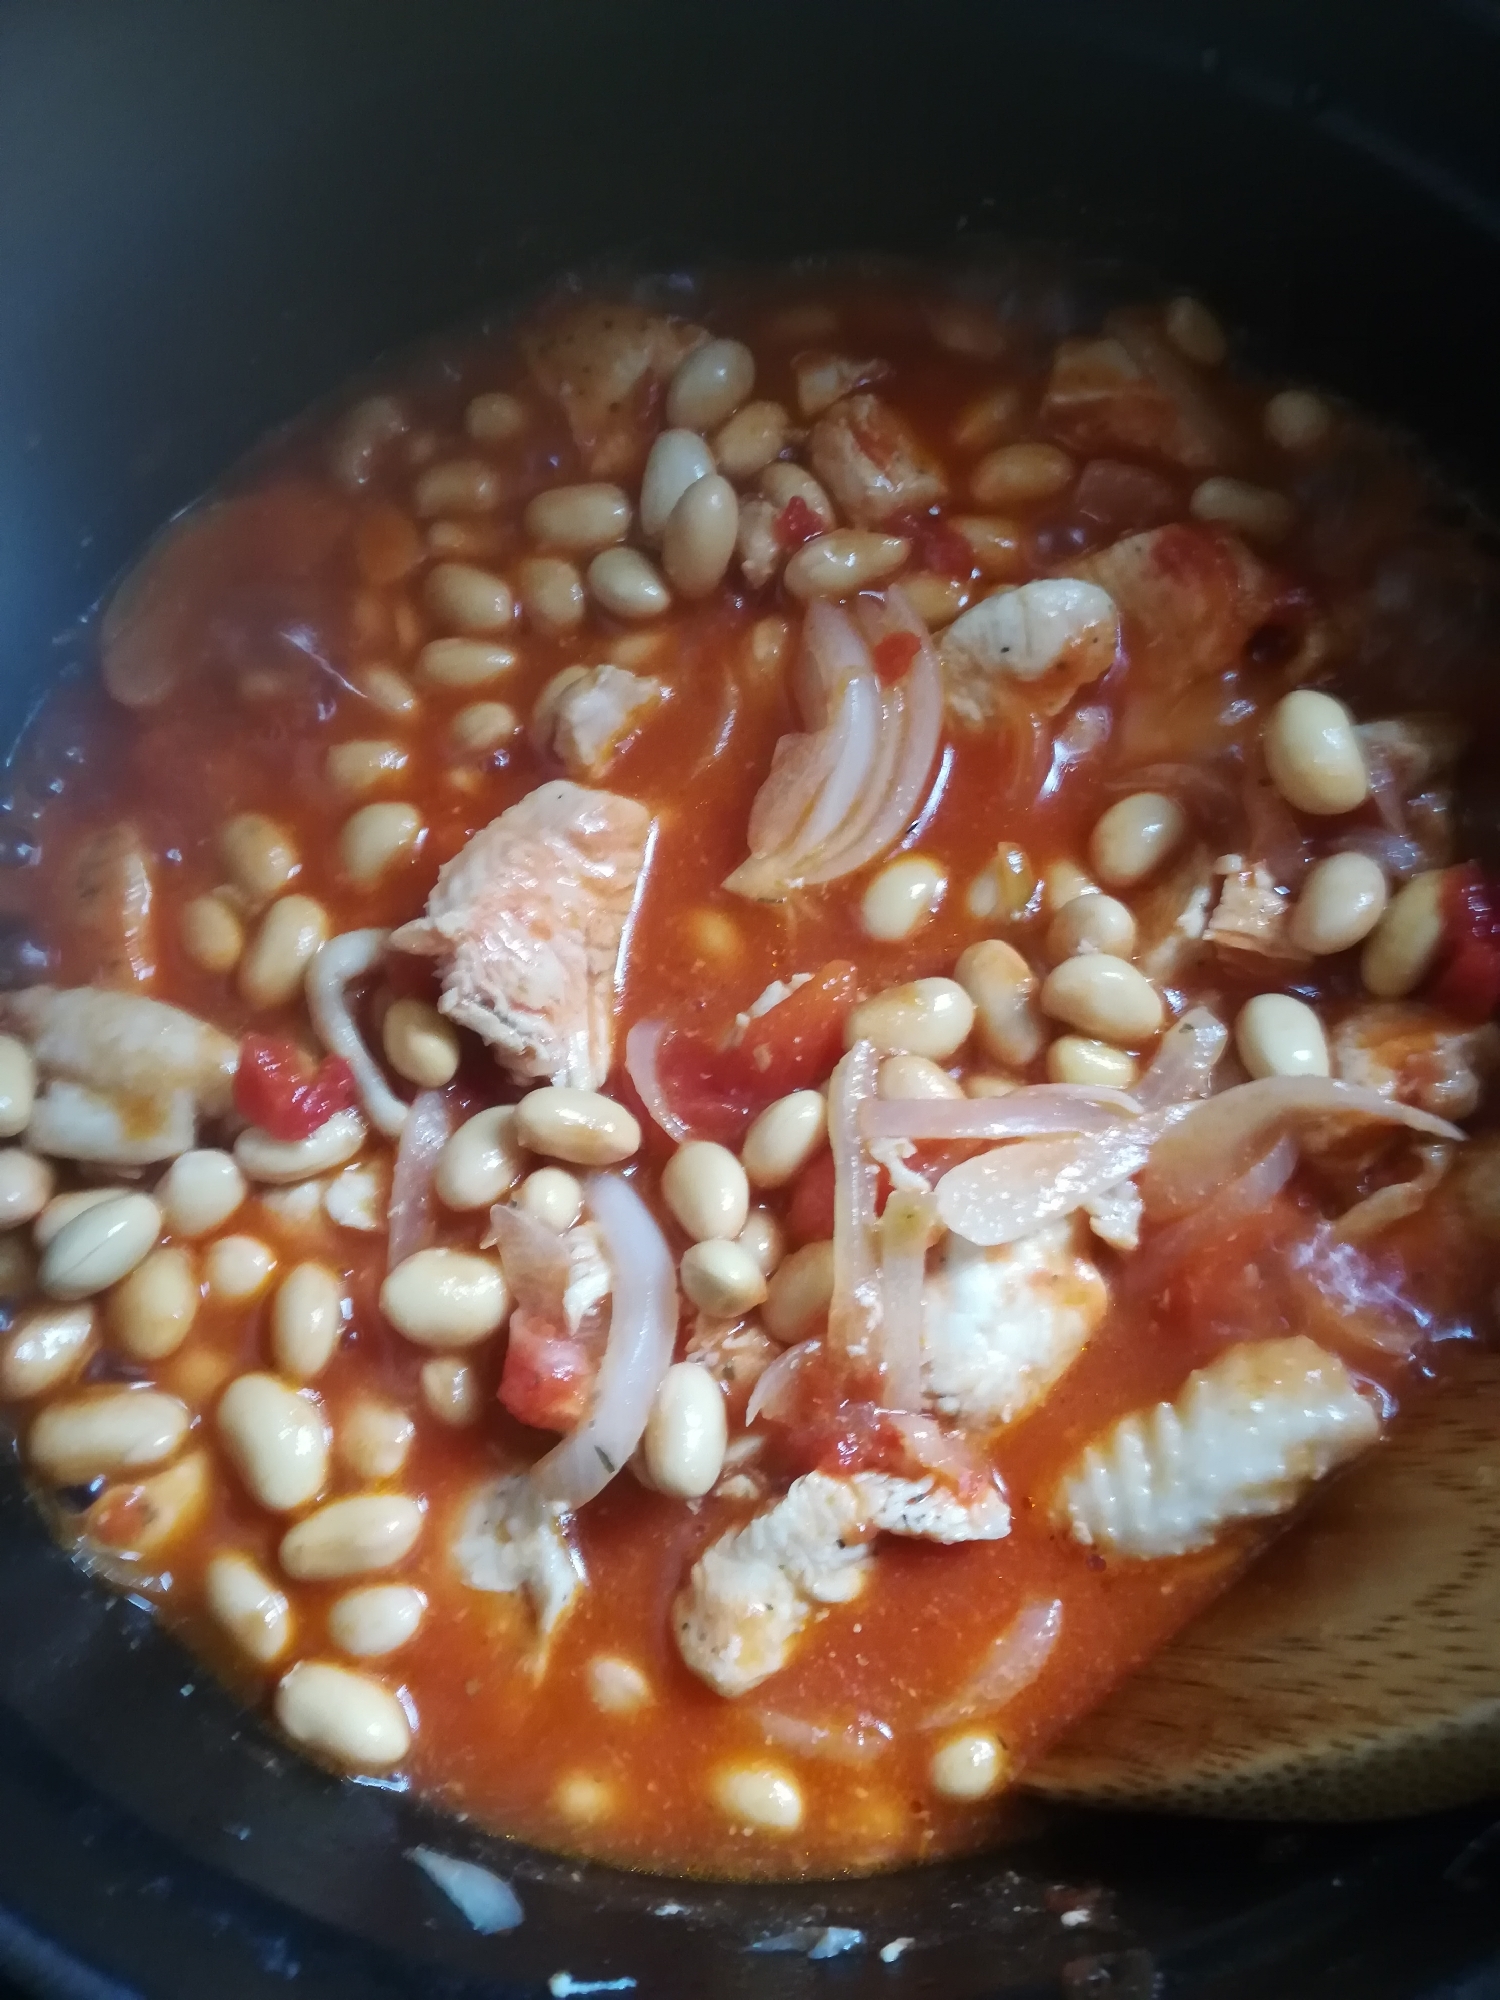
column 122, row 1045
column 1043, row 641
column 71, row 1122
column 1416, row 1054
column 871, row 462
column 1001, row 1325
column 592, row 716
column 608, row 365
column 1131, row 392
column 511, row 1539
column 1251, row 916
column 527, row 923
column 1244, row 1438
column 752, row 1592
column 108, row 898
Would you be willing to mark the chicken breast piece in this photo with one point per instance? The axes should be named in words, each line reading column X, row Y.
column 71, row 1122
column 122, row 1045
column 511, row 1539
column 1244, row 1438
column 872, row 463
column 751, row 1593
column 1001, row 1325
column 593, row 715
column 608, row 365
column 1131, row 392
column 1416, row 1054
column 527, row 923
column 1251, row 917
column 1043, row 641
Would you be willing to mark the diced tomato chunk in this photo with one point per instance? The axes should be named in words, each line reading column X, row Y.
column 547, row 1374
column 937, row 544
column 1469, row 980
column 894, row 654
column 276, row 1088
column 809, row 1216
column 796, row 524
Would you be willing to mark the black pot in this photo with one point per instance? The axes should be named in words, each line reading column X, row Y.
column 211, row 214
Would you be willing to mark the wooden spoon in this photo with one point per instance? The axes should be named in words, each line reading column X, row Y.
column 1354, row 1673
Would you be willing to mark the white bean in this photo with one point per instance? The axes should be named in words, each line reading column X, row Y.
column 97, row 1248
column 1193, row 331
column 553, row 1196
column 260, row 855
column 373, row 1439
column 676, row 461
column 63, row 1207
column 388, row 691
column 705, row 1187
column 420, row 1043
column 17, row 1086
column 250, row 1608
column 469, row 600
column 1018, row 475
column 481, row 1162
column 212, row 935
column 446, row 1298
column 26, row 1183
column 200, row 1191
column 686, row 1432
column 968, row 1766
column 906, row 1077
column 375, row 1619
column 625, row 584
column 276, row 1440
column 376, row 837
column 1063, row 882
column 495, row 417
column 582, row 518
column 582, row 1127
column 763, row 1237
column 367, row 1531
column 151, row 1312
column 1277, row 1035
column 290, row 932
column 1091, row 923
column 307, row 1320
column 483, row 726
column 843, row 562
column 282, row 1161
column 710, row 384
column 48, row 1347
column 752, row 438
column 551, row 594
column 1134, row 837
column 1077, row 1059
column 722, row 1279
column 762, row 1796
column 924, row 1017
column 366, row 430
column 617, row 1686
column 798, row 1293
column 349, row 1720
column 1313, row 754
column 699, row 537
column 103, row 1432
column 450, row 1389
column 363, row 763
column 1002, row 987
column 1343, row 898
column 1297, row 420
column 457, row 486
column 1403, row 947
column 902, row 897
column 464, row 663
column 784, row 1137
column 1259, row 513
column 785, row 482
column 1104, row 997
column 238, row 1269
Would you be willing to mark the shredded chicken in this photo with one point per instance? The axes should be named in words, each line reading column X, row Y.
column 596, row 712
column 1416, row 1054
column 588, row 1282
column 1000, row 1326
column 1251, row 915
column 1244, row 1438
column 607, row 365
column 511, row 1539
column 760, row 549
column 527, row 923
column 1046, row 639
column 735, row 1352
column 1128, row 393
column 752, row 1592
column 872, row 463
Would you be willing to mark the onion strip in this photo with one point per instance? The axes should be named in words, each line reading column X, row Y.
column 1006, row 1194
column 642, row 1066
column 333, row 966
column 773, row 1385
column 1030, row 1112
column 906, row 1228
column 1014, row 1661
column 854, row 1313
column 409, row 1224
column 637, row 1351
column 1183, row 1066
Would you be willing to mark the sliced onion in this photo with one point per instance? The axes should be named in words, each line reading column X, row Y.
column 859, row 1741
column 1013, row 1662
column 1389, row 1205
column 772, row 1395
column 1272, row 837
column 1217, row 1139
column 1183, row 1066
column 484, row 1898
column 1034, row 1109
column 1007, row 1194
column 642, row 1059
column 409, row 1218
column 637, row 1352
column 906, row 1228
column 1225, row 1208
column 333, row 966
column 535, row 1259
column 854, row 1329
column 1347, row 1301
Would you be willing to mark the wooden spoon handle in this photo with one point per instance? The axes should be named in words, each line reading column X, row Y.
column 1354, row 1673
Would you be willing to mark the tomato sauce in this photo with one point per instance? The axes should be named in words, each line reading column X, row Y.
column 277, row 618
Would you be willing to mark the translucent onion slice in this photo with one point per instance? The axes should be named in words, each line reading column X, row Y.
column 906, row 1228
column 774, row 1387
column 1221, row 1214
column 642, row 1060
column 1008, row 1193
column 1013, row 1662
column 854, row 1329
column 1217, row 1139
column 637, row 1352
column 1183, row 1066
column 1030, row 1112
column 1387, row 1206
column 535, row 1261
column 333, row 966
column 409, row 1218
